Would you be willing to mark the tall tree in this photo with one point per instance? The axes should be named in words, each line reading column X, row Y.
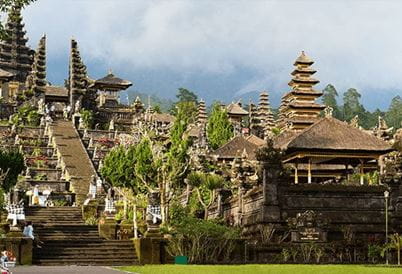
column 351, row 104
column 219, row 128
column 5, row 6
column 393, row 116
column 329, row 98
column 185, row 95
column 187, row 102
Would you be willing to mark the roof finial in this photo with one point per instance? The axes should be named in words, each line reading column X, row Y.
column 110, row 71
column 328, row 111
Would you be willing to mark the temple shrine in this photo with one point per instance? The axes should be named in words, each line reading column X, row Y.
column 298, row 107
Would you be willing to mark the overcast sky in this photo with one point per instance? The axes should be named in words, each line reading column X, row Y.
column 223, row 49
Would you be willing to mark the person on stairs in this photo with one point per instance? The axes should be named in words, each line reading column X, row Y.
column 28, row 232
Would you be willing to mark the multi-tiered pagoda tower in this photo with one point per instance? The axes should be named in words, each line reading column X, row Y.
column 265, row 116
column 202, row 114
column 15, row 56
column 298, row 108
column 37, row 79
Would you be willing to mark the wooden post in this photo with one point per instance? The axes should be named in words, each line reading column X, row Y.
column 309, row 171
column 296, row 175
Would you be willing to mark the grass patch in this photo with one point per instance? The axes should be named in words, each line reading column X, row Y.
column 261, row 269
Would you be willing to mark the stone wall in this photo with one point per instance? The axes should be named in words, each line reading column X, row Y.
column 361, row 208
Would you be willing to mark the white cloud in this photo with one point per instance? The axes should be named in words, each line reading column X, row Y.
column 354, row 43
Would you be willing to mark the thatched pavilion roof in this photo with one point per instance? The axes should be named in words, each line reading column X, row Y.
column 111, row 82
column 236, row 109
column 330, row 134
column 256, row 140
column 236, row 148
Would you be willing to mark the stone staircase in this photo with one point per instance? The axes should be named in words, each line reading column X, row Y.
column 78, row 165
column 68, row 241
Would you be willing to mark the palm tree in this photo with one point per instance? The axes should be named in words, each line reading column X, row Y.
column 395, row 242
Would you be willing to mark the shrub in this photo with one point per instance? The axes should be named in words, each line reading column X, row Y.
column 202, row 241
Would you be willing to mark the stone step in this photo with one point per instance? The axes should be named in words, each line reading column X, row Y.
column 92, row 253
column 89, row 242
column 103, row 262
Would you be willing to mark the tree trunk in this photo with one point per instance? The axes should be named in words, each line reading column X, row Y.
column 125, row 208
column 135, row 225
column 163, row 203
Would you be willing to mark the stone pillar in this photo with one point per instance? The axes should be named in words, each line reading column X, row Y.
column 271, row 211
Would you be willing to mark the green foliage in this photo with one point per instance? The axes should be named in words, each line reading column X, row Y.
column 202, row 241
column 26, row 115
column 92, row 220
column 285, row 253
column 395, row 243
column 329, row 98
column 87, row 117
column 146, row 166
column 373, row 252
column 13, row 161
column 119, row 168
column 393, row 117
column 5, row 6
column 186, row 106
column 269, row 155
column 185, row 95
column 205, row 186
column 219, row 128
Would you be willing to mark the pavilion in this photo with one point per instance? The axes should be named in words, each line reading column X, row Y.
column 328, row 144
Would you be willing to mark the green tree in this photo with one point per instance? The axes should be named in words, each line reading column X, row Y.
column 88, row 117
column 5, row 6
column 351, row 104
column 187, row 102
column 11, row 165
column 118, row 168
column 395, row 242
column 26, row 115
column 206, row 186
column 393, row 116
column 185, row 95
column 329, row 99
column 219, row 128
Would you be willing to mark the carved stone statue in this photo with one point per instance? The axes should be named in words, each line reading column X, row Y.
column 41, row 106
column 111, row 125
column 77, row 106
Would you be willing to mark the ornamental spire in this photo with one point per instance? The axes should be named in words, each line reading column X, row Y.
column 77, row 82
column 37, row 79
column 15, row 56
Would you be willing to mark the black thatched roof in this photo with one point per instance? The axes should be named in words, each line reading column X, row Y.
column 111, row 81
column 236, row 148
column 332, row 135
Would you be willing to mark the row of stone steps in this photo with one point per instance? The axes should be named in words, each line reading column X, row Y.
column 67, row 240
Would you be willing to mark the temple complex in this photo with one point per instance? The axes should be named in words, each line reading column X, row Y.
column 280, row 179
column 298, row 108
